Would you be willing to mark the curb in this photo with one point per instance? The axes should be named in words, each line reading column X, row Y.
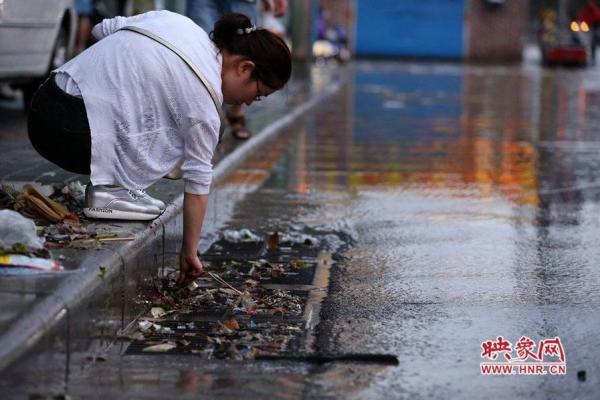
column 27, row 330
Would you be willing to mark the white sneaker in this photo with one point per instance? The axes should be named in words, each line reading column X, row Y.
column 158, row 203
column 114, row 202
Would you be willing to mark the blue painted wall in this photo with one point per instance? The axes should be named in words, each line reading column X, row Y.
column 410, row 28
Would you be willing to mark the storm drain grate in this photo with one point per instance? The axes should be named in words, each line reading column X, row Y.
column 222, row 311
column 208, row 338
column 233, row 313
column 295, row 272
column 223, row 249
column 291, row 252
column 208, row 317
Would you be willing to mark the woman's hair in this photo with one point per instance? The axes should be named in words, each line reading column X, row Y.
column 269, row 53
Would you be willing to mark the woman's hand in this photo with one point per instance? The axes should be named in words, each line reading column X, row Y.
column 194, row 208
column 190, row 267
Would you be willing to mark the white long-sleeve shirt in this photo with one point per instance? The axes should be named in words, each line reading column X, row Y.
column 144, row 105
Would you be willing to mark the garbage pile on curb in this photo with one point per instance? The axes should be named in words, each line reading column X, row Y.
column 32, row 224
column 232, row 312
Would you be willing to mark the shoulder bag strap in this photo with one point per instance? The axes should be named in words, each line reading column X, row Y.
column 190, row 64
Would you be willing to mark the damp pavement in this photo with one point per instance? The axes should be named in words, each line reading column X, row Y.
column 462, row 203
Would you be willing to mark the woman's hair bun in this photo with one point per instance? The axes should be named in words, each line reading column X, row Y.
column 227, row 28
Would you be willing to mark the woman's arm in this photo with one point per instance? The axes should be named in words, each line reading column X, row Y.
column 200, row 142
column 194, row 208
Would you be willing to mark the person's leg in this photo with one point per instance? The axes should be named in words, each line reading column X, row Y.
column 84, row 26
column 247, row 8
column 237, row 120
column 84, row 31
column 58, row 128
column 235, row 114
column 204, row 13
column 594, row 44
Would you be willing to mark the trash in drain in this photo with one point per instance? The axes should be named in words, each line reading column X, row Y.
column 233, row 338
column 244, row 306
column 216, row 319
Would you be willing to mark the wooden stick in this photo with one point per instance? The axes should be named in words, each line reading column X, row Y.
column 222, row 282
column 116, row 239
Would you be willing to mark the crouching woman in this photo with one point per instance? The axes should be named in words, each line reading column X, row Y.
column 126, row 110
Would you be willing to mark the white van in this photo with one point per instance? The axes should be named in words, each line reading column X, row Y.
column 36, row 36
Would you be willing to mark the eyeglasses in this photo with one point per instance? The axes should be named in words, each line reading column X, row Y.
column 258, row 96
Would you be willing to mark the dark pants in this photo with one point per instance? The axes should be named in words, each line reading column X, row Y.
column 59, row 129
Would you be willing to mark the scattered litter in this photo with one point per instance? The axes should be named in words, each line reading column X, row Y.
column 247, row 301
column 277, row 271
column 291, row 328
column 147, row 326
column 41, row 264
column 160, row 348
column 133, row 336
column 66, row 231
column 16, row 229
column 157, row 312
column 273, row 241
column 300, row 265
column 243, row 235
column 105, row 235
column 74, row 189
column 229, row 326
column 298, row 238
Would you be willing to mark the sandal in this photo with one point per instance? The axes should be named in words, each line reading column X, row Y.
column 240, row 132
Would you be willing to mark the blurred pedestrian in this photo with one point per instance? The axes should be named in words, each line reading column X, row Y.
column 84, row 25
column 107, row 9
column 332, row 40
column 270, row 11
column 590, row 14
column 206, row 12
column 127, row 109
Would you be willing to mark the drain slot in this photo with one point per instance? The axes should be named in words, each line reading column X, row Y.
column 384, row 359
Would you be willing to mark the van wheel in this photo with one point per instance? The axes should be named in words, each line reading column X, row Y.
column 60, row 55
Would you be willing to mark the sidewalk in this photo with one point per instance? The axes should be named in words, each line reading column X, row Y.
column 109, row 279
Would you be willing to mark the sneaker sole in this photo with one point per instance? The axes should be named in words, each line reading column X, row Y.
column 108, row 213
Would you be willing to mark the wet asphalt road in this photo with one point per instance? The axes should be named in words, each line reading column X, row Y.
column 472, row 194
